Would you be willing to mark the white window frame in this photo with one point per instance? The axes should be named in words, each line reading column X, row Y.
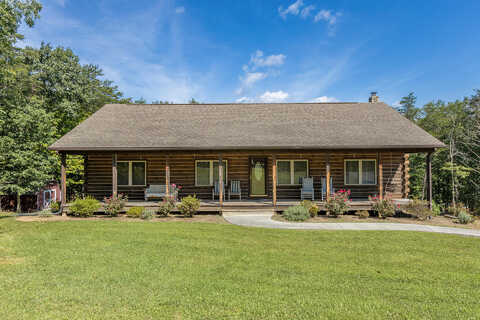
column 292, row 173
column 211, row 172
column 130, row 173
column 360, row 161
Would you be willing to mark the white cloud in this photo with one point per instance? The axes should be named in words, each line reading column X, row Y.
column 243, row 100
column 292, row 9
column 251, row 77
column 61, row 3
column 324, row 99
column 257, row 60
column 273, row 96
column 306, row 11
column 180, row 10
column 328, row 16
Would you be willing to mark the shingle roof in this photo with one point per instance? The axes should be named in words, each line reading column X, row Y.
column 246, row 126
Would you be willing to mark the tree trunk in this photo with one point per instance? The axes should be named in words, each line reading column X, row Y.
column 19, row 204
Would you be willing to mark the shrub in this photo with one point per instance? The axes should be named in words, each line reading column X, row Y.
column 311, row 207
column 436, row 209
column 147, row 214
column 45, row 214
column 114, row 204
column 464, row 218
column 418, row 208
column 455, row 210
column 338, row 204
column 189, row 206
column 363, row 214
column 383, row 207
column 85, row 207
column 296, row 213
column 166, row 206
column 55, row 206
column 135, row 212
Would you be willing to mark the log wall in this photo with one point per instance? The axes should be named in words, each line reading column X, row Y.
column 182, row 172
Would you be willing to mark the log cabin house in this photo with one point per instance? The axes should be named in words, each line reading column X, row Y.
column 269, row 148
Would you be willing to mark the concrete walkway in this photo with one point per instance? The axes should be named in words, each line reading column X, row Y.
column 264, row 220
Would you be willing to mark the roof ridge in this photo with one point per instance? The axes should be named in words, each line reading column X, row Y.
column 235, row 103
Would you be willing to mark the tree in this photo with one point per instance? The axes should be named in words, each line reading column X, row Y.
column 193, row 101
column 407, row 107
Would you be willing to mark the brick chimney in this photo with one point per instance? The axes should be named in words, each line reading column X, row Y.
column 373, row 97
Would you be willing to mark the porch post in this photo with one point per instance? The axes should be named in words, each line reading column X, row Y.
column 114, row 174
column 63, row 182
column 167, row 175
column 274, row 180
column 429, row 178
column 85, row 174
column 327, row 176
column 220, row 179
column 380, row 175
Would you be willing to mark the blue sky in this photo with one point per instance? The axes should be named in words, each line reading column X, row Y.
column 269, row 51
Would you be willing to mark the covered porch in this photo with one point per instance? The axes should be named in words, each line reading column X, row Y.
column 328, row 170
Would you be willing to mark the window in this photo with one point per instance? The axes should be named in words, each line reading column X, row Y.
column 360, row 172
column 206, row 172
column 290, row 172
column 131, row 173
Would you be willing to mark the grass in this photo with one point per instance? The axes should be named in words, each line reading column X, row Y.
column 175, row 270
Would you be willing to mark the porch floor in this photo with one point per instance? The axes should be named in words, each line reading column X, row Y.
column 214, row 205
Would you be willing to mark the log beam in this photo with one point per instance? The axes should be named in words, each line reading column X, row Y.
column 63, row 182
column 167, row 175
column 327, row 176
column 114, row 174
column 429, row 178
column 274, row 180
column 380, row 175
column 220, row 179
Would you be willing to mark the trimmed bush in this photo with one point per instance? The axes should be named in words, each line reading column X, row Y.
column 383, row 207
column 166, row 206
column 189, row 206
column 114, row 204
column 296, row 213
column 147, row 214
column 419, row 209
column 464, row 218
column 85, row 207
column 135, row 212
column 339, row 203
column 45, row 214
column 311, row 207
column 55, row 206
column 363, row 214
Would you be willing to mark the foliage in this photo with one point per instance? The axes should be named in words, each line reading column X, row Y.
column 338, row 204
column 296, row 213
column 189, row 205
column 166, row 206
column 114, row 204
column 311, row 207
column 419, row 209
column 464, row 217
column 135, row 212
column 147, row 214
column 85, row 207
column 383, row 207
column 407, row 107
column 363, row 214
column 455, row 210
column 436, row 209
column 55, row 206
column 45, row 214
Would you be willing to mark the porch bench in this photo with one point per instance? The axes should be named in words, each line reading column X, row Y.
column 159, row 191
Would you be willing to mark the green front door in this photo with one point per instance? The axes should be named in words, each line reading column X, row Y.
column 258, row 177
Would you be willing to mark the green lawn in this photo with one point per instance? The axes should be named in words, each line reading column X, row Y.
column 177, row 270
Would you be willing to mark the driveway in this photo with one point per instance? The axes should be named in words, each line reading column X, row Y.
column 264, row 220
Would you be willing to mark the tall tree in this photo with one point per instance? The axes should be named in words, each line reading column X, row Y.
column 407, row 107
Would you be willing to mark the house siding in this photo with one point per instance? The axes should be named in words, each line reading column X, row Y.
column 182, row 172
